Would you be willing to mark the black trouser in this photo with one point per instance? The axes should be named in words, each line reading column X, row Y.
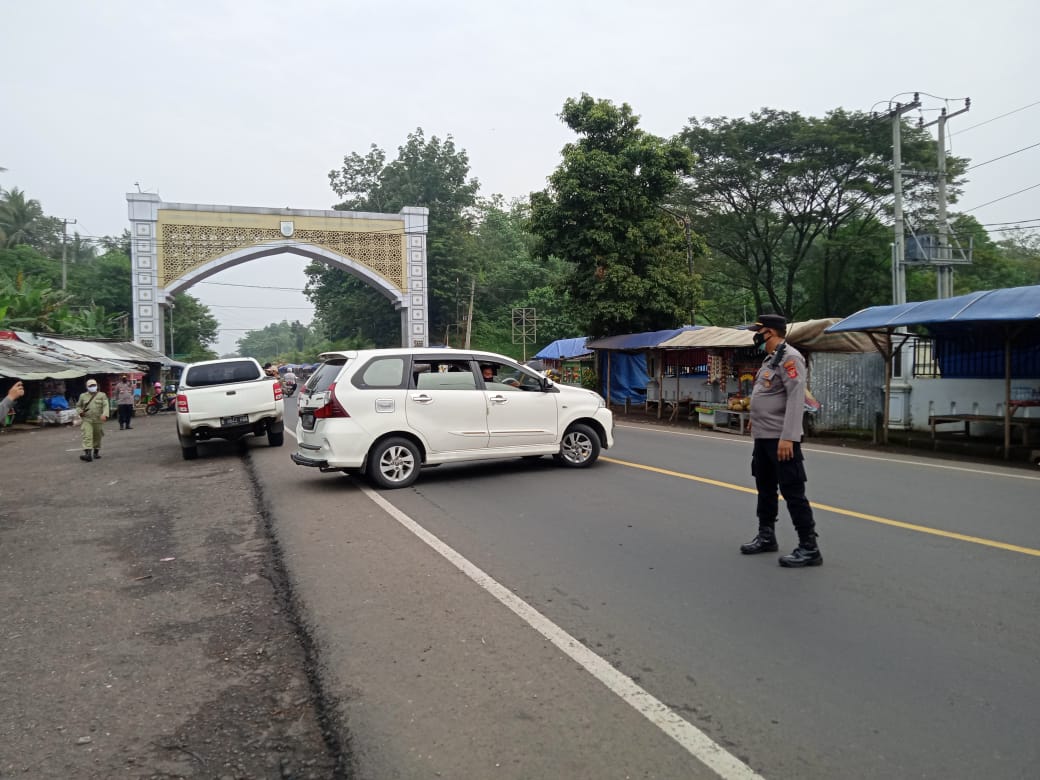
column 126, row 411
column 789, row 475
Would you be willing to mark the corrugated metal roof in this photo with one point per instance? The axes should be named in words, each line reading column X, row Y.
column 810, row 335
column 704, row 338
column 23, row 361
column 113, row 350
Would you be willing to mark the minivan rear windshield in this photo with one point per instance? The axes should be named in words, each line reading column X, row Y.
column 221, row 373
column 325, row 375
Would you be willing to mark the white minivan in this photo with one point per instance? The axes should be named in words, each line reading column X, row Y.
column 388, row 412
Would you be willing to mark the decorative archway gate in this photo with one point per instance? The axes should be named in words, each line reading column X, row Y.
column 177, row 245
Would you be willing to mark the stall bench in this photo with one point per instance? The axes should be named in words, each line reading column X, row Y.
column 1025, row 425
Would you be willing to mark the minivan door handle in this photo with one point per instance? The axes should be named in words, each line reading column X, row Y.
column 498, row 399
column 422, row 398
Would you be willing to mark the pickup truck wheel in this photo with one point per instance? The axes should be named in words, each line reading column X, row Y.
column 394, row 463
column 275, row 439
column 579, row 448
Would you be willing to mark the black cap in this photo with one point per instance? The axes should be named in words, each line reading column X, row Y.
column 771, row 321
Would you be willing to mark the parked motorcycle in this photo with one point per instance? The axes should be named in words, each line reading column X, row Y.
column 157, row 404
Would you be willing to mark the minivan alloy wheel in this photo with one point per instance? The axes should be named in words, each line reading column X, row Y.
column 580, row 447
column 394, row 463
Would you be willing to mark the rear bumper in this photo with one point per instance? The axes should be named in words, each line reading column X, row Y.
column 232, row 432
column 303, row 460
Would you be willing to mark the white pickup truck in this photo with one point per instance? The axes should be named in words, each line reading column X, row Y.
column 227, row 399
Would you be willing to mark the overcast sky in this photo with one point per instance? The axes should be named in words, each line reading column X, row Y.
column 252, row 103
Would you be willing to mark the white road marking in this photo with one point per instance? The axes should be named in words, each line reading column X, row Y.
column 695, row 741
column 729, row 438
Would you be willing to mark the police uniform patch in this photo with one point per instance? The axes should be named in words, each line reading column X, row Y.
column 791, row 368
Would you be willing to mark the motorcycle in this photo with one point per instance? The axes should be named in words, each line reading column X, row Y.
column 156, row 405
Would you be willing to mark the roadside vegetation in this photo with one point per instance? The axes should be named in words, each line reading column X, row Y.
column 633, row 232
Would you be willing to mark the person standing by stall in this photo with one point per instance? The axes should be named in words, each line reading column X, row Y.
column 777, row 402
column 93, row 411
column 125, row 401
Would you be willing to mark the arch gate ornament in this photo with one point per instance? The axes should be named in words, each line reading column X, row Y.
column 177, row 245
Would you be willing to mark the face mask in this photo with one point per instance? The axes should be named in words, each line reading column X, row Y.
column 91, row 388
column 759, row 341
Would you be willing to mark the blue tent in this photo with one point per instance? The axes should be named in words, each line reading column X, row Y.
column 564, row 349
column 1011, row 304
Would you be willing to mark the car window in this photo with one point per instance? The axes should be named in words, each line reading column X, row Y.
column 512, row 377
column 221, row 373
column 443, row 374
column 325, row 375
column 382, row 372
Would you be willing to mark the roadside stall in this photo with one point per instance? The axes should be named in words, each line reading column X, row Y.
column 710, row 372
column 621, row 363
column 569, row 358
column 978, row 340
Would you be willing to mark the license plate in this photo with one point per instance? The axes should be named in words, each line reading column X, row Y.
column 240, row 419
column 307, row 419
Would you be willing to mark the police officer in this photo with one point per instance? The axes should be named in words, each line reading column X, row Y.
column 777, row 402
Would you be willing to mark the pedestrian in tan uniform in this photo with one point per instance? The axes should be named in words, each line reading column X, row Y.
column 93, row 411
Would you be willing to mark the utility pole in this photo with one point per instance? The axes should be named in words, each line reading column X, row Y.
column 899, row 253
column 943, row 270
column 172, row 355
column 469, row 317
column 684, row 222
column 64, row 265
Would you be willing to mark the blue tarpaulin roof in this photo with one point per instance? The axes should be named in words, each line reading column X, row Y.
column 1011, row 304
column 563, row 349
column 635, row 341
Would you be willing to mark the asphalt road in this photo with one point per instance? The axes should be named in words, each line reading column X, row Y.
column 914, row 651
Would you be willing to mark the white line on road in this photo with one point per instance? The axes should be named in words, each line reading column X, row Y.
column 695, row 741
column 730, row 439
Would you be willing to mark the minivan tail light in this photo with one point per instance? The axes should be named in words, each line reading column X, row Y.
column 182, row 403
column 332, row 407
column 277, row 390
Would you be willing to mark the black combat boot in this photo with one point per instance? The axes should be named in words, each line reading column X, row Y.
column 764, row 542
column 97, row 455
column 807, row 553
column 86, row 456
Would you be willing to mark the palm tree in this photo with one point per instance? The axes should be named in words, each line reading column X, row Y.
column 20, row 217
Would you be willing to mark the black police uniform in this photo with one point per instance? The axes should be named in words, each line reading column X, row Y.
column 777, row 404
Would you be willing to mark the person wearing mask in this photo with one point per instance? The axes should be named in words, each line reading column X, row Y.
column 93, row 411
column 125, row 401
column 777, row 402
column 16, row 391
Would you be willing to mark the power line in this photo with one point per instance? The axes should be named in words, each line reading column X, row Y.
column 994, row 119
column 1009, row 154
column 274, row 308
column 255, row 286
column 1004, row 197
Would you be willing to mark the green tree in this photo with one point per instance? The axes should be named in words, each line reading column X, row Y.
column 21, row 219
column 286, row 342
column 791, row 206
column 194, row 328
column 602, row 213
column 31, row 304
column 431, row 173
